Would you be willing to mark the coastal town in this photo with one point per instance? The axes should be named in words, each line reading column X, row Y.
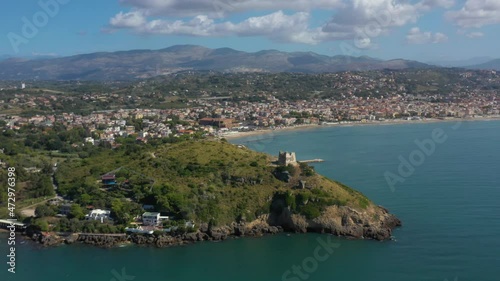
column 71, row 130
column 230, row 115
column 222, row 140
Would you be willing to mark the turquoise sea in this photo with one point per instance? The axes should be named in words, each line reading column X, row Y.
column 449, row 205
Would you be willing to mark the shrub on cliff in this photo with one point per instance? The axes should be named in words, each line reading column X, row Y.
column 310, row 211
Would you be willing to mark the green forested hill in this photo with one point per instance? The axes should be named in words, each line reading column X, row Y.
column 201, row 181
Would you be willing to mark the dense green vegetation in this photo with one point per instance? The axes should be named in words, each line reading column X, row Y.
column 32, row 172
column 190, row 178
column 198, row 180
column 186, row 177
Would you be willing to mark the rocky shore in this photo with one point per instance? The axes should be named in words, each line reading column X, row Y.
column 376, row 224
column 205, row 233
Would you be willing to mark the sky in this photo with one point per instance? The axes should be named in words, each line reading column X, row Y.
column 424, row 30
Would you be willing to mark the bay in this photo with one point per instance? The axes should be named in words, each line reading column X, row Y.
column 449, row 206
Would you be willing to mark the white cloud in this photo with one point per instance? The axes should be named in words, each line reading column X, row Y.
column 476, row 13
column 218, row 8
column 416, row 36
column 280, row 27
column 475, row 34
column 277, row 26
column 373, row 15
column 360, row 20
column 128, row 20
column 365, row 20
column 438, row 3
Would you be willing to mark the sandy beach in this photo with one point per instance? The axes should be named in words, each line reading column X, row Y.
column 237, row 135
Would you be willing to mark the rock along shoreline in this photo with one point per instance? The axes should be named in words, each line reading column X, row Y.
column 351, row 227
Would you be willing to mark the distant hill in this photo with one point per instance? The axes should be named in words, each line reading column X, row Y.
column 125, row 65
column 460, row 63
column 491, row 65
column 4, row 57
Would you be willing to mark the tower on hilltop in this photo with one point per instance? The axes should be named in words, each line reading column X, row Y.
column 286, row 158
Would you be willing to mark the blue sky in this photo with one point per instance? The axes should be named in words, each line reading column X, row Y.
column 424, row 30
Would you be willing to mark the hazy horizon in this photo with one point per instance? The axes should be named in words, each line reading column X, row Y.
column 438, row 62
column 422, row 30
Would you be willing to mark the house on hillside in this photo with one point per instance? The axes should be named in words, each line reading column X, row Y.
column 108, row 180
column 98, row 214
column 153, row 218
column 65, row 209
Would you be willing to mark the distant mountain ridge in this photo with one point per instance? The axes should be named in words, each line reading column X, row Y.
column 460, row 62
column 4, row 57
column 490, row 65
column 125, row 65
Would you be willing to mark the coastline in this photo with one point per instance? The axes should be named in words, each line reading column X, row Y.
column 239, row 135
column 106, row 240
column 380, row 230
column 234, row 230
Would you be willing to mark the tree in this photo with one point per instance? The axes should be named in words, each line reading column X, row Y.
column 44, row 211
column 85, row 199
column 42, row 224
column 39, row 185
column 120, row 211
column 76, row 212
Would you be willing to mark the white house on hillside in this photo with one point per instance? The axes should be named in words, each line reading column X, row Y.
column 153, row 218
column 98, row 214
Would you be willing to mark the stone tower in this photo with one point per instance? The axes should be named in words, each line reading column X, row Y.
column 286, row 158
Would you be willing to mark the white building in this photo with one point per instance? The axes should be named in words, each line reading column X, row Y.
column 153, row 218
column 98, row 214
column 90, row 140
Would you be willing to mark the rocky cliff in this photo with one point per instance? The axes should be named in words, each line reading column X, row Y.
column 373, row 223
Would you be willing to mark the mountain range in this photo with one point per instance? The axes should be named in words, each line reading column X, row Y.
column 136, row 64
column 490, row 65
column 464, row 63
column 124, row 65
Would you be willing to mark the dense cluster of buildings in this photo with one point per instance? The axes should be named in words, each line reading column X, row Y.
column 362, row 98
column 243, row 115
